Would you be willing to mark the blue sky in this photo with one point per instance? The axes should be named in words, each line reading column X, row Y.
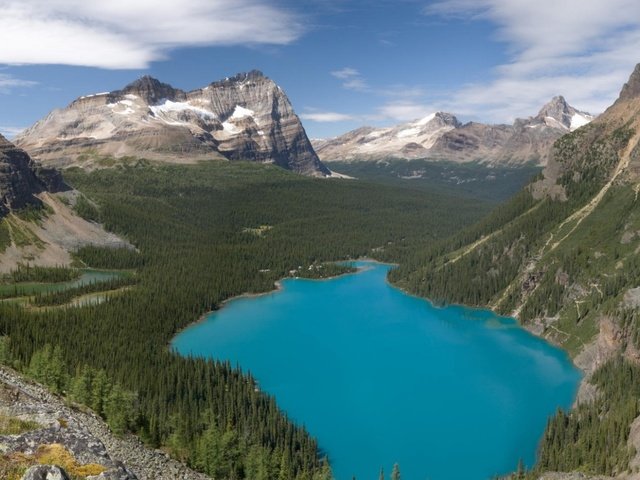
column 343, row 63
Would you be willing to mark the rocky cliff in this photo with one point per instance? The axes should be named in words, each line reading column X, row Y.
column 21, row 179
column 441, row 137
column 52, row 231
column 246, row 117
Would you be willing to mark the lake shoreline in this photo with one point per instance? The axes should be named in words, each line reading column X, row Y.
column 245, row 325
column 277, row 288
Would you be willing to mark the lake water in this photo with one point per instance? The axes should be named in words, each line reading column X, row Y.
column 379, row 377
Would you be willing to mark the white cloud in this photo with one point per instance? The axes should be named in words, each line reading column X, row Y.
column 584, row 50
column 327, row 117
column 10, row 132
column 346, row 73
column 7, row 82
column 352, row 79
column 130, row 34
column 404, row 111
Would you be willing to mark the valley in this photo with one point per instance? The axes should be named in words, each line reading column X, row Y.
column 130, row 221
column 194, row 227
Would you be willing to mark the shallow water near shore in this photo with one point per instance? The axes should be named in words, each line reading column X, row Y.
column 380, row 377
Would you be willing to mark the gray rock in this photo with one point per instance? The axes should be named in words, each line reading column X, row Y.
column 45, row 472
column 118, row 473
column 21, row 179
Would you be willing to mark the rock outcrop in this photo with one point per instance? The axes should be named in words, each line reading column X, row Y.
column 246, row 117
column 21, row 179
column 45, row 472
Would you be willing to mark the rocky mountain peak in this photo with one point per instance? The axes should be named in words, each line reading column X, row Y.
column 631, row 89
column 240, row 78
column 559, row 114
column 150, row 89
column 558, row 109
column 4, row 142
column 448, row 119
column 245, row 117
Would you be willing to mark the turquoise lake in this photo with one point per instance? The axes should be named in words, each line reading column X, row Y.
column 379, row 377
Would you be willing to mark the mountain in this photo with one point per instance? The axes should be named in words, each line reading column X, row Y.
column 441, row 137
column 38, row 224
column 246, row 117
column 408, row 140
column 562, row 257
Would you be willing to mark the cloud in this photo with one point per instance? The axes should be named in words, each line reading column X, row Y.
column 8, row 82
column 404, row 111
column 10, row 132
column 327, row 117
column 352, row 79
column 584, row 50
column 119, row 34
column 346, row 73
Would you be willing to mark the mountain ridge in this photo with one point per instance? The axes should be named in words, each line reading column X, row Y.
column 245, row 117
column 525, row 141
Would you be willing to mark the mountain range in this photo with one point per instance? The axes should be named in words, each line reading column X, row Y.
column 246, row 117
column 440, row 136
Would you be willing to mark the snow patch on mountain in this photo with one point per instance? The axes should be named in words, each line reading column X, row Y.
column 241, row 112
column 169, row 107
column 580, row 120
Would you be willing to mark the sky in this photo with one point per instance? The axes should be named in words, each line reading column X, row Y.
column 342, row 63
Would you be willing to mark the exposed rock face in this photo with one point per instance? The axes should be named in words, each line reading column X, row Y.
column 21, row 179
column 59, row 231
column 247, row 117
column 442, row 137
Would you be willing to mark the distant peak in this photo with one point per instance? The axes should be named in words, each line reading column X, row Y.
column 631, row 89
column 4, row 141
column 443, row 117
column 556, row 108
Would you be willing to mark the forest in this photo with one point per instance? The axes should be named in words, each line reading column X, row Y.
column 202, row 234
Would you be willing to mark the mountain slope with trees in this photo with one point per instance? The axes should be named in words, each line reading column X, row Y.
column 562, row 256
